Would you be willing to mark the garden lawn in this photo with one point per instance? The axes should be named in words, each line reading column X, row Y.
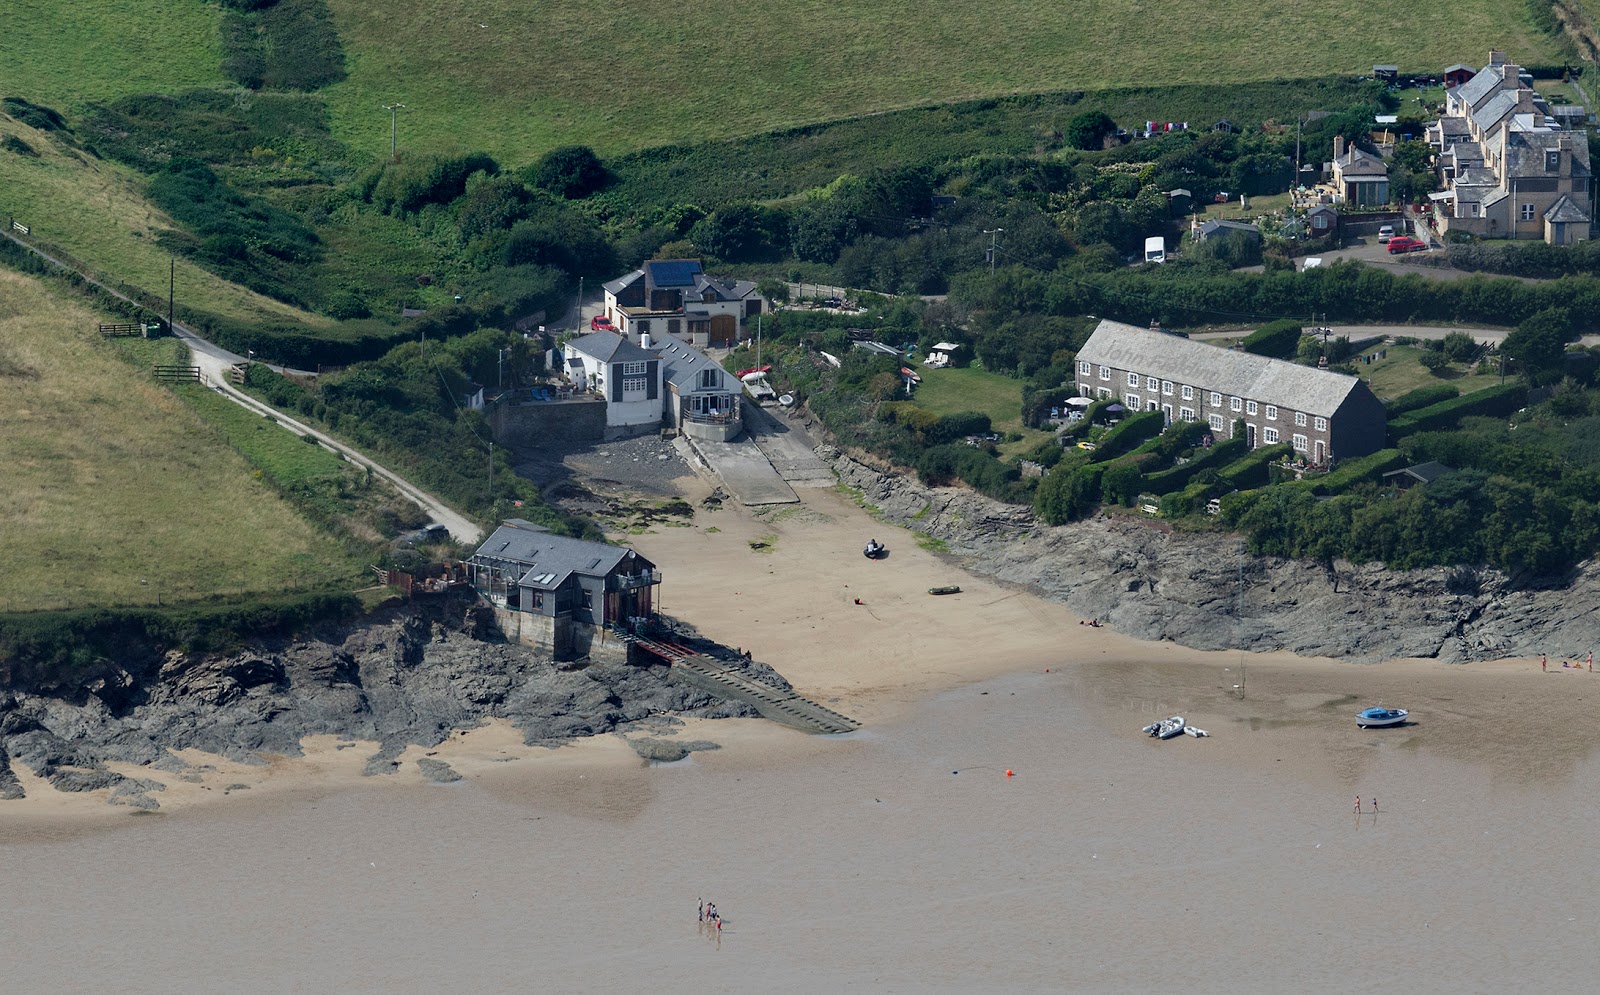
column 954, row 389
column 1402, row 372
column 115, row 492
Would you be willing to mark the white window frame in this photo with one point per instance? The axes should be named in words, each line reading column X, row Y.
column 1300, row 445
column 1527, row 212
column 1186, row 414
column 1269, row 435
column 1235, row 405
column 1300, row 419
column 1216, row 423
column 1272, row 412
column 633, row 369
column 1152, row 384
column 635, row 385
column 1133, row 403
column 1133, row 380
column 1166, row 387
column 1105, row 392
column 1187, row 392
column 1084, row 366
column 1105, row 373
column 1216, row 399
column 1321, row 425
column 1250, row 408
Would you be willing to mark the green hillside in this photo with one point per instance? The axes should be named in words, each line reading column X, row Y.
column 515, row 78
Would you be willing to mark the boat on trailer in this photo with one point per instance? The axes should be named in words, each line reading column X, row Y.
column 1377, row 718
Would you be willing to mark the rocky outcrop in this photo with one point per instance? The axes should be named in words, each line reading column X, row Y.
column 409, row 675
column 1201, row 590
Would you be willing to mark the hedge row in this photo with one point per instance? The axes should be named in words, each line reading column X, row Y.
column 1352, row 471
column 1187, row 501
column 1422, row 397
column 1251, row 470
column 1278, row 339
column 1129, row 434
column 1501, row 399
column 1167, row 481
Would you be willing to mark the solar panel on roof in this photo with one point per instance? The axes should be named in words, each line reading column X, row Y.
column 674, row 273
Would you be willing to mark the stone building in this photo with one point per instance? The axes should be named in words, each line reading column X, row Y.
column 1323, row 415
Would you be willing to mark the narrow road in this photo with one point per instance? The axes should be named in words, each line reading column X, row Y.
column 215, row 363
column 1354, row 332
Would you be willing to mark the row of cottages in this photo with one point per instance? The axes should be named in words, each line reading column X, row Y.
column 655, row 383
column 1509, row 169
column 563, row 596
column 675, row 297
column 1322, row 415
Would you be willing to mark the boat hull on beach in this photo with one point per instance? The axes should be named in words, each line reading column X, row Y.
column 1377, row 718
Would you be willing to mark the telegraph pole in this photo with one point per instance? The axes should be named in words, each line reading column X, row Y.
column 172, row 287
column 994, row 244
column 392, row 109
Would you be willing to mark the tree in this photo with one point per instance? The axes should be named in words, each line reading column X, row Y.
column 1539, row 342
column 572, row 171
column 740, row 232
column 820, row 230
column 1089, row 130
column 1434, row 361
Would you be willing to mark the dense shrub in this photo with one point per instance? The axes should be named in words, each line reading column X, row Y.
column 1278, row 339
column 1422, row 397
column 281, row 45
column 34, row 115
column 1220, row 454
column 572, row 171
column 1353, row 471
column 1250, row 470
column 1128, row 434
column 1501, row 399
column 405, row 187
column 952, row 427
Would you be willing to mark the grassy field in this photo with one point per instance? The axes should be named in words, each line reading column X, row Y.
column 619, row 75
column 116, row 492
column 96, row 211
column 281, row 454
column 1401, row 372
column 950, row 390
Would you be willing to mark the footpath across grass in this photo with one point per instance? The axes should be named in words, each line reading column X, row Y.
column 282, row 455
column 115, row 492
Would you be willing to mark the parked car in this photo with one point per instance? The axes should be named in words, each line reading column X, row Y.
column 1385, row 233
column 1405, row 243
column 600, row 323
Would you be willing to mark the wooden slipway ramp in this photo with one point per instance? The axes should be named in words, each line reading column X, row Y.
column 778, row 705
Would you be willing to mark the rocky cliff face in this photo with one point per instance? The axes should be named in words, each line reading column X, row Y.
column 1200, row 590
column 410, row 675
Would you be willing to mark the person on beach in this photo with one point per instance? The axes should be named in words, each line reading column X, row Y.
column 1374, row 804
column 1358, row 805
column 702, row 910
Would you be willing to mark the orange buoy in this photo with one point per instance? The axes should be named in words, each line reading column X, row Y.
column 1008, row 773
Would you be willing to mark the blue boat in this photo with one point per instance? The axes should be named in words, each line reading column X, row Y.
column 1378, row 717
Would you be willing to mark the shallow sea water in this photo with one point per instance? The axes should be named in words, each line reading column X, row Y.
column 1107, row 862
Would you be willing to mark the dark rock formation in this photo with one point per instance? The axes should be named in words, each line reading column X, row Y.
column 1201, row 590
column 408, row 675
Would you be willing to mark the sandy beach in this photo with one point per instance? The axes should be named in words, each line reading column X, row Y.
column 899, row 856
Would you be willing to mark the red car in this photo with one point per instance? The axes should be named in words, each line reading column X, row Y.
column 1405, row 243
column 600, row 323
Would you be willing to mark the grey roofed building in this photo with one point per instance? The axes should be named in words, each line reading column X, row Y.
column 1567, row 211
column 1322, row 414
column 1218, row 226
column 548, row 559
column 1422, row 473
column 608, row 347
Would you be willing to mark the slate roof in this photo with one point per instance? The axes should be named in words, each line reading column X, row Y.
column 1566, row 210
column 1211, row 368
column 1525, row 153
column 1425, row 473
column 608, row 347
column 549, row 558
column 683, row 364
column 621, row 283
column 1493, row 111
column 1219, row 226
column 1474, row 90
column 1358, row 163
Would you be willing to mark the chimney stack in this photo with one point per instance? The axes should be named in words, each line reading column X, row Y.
column 644, row 340
column 1510, row 72
column 1338, row 148
column 1496, row 57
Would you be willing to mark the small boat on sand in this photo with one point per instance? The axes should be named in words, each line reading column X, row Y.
column 1166, row 728
column 948, row 589
column 1380, row 717
column 1196, row 733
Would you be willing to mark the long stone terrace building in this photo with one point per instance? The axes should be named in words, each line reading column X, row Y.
column 1323, row 415
column 562, row 595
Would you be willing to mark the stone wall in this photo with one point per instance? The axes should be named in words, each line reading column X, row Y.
column 530, row 427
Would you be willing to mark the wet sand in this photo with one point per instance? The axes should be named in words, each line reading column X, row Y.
column 1108, row 861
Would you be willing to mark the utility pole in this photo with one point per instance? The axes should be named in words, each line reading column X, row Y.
column 172, row 288
column 577, row 321
column 758, row 340
column 392, row 109
column 994, row 245
column 502, row 368
column 489, row 482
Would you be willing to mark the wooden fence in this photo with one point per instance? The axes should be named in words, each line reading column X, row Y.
column 177, row 374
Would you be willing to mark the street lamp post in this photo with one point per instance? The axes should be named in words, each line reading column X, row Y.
column 392, row 109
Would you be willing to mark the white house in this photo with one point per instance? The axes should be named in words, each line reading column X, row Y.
column 628, row 377
column 675, row 297
column 702, row 399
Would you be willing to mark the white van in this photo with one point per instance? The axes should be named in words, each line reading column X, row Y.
column 1155, row 249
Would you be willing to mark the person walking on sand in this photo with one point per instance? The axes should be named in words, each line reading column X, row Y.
column 702, row 910
column 1358, row 805
column 1374, row 804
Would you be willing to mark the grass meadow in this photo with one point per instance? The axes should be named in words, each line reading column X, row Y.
column 516, row 79
column 115, row 491
column 1401, row 372
column 953, row 389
